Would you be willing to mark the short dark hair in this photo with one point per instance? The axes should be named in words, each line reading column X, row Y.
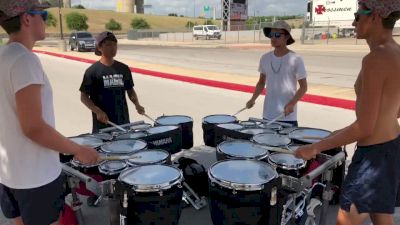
column 390, row 21
column 11, row 25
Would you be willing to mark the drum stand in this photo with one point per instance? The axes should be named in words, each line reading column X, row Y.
column 190, row 197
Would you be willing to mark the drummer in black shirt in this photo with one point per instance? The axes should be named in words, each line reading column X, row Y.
column 104, row 85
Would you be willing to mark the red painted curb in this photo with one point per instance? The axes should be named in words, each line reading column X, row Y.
column 316, row 99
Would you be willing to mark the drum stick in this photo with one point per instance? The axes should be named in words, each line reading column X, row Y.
column 241, row 110
column 123, row 157
column 280, row 150
column 275, row 119
column 148, row 117
column 116, row 126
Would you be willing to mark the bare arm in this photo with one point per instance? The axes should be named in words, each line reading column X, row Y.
column 257, row 92
column 367, row 111
column 101, row 115
column 289, row 108
column 135, row 100
column 29, row 112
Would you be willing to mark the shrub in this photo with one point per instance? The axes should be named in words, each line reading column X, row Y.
column 51, row 20
column 77, row 21
column 140, row 23
column 113, row 25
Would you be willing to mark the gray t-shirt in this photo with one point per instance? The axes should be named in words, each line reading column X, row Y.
column 282, row 75
column 23, row 163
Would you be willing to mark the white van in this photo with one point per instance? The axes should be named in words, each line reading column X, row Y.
column 207, row 31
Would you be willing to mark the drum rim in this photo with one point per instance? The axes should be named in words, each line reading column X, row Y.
column 219, row 115
column 285, row 167
column 257, row 128
column 154, row 187
column 148, row 125
column 76, row 163
column 129, row 162
column 252, row 139
column 90, row 137
column 220, row 125
column 240, row 186
column 304, row 128
column 110, row 137
column 122, row 153
column 258, row 157
column 164, row 116
column 143, row 132
column 174, row 126
column 280, row 127
column 112, row 172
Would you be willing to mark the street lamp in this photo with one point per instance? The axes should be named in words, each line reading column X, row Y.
column 60, row 18
column 194, row 8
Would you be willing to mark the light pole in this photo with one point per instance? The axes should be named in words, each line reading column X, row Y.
column 60, row 18
column 194, row 8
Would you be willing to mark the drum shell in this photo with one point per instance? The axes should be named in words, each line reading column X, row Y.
column 241, row 207
column 209, row 131
column 187, row 132
column 171, row 141
column 149, row 207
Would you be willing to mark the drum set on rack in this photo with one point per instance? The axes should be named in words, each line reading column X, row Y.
column 255, row 180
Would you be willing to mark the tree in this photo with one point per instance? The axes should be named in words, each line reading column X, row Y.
column 140, row 23
column 113, row 25
column 190, row 24
column 77, row 21
column 173, row 14
column 78, row 7
column 51, row 20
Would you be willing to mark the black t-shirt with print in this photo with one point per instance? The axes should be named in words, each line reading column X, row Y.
column 106, row 86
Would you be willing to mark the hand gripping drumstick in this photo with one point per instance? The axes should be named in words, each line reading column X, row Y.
column 116, row 126
column 241, row 110
column 123, row 157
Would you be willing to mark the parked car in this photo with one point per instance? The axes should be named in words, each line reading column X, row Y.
column 206, row 31
column 82, row 41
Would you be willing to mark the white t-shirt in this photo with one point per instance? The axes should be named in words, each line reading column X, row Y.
column 282, row 75
column 23, row 163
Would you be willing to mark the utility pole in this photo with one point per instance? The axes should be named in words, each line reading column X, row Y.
column 60, row 18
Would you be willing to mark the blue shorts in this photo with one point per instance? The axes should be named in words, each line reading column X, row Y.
column 373, row 178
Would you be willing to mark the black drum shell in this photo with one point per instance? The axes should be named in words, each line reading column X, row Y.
column 171, row 141
column 187, row 132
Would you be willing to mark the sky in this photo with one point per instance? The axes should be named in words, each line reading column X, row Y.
column 189, row 7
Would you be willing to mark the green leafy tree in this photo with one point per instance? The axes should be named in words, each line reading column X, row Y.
column 78, row 7
column 51, row 20
column 173, row 14
column 140, row 23
column 113, row 25
column 77, row 21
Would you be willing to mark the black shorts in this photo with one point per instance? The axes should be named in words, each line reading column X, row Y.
column 373, row 179
column 36, row 206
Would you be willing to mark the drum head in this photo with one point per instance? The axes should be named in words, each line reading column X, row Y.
column 231, row 126
column 287, row 130
column 248, row 124
column 293, row 147
column 245, row 175
column 140, row 127
column 124, row 147
column 149, row 157
column 286, row 161
column 242, row 149
column 77, row 164
column 255, row 131
column 173, row 120
column 131, row 135
column 161, row 129
column 102, row 136
column 221, row 118
column 300, row 133
column 151, row 178
column 112, row 167
column 273, row 126
column 274, row 140
column 87, row 141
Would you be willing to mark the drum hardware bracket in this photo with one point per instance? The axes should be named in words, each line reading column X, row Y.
column 190, row 196
column 91, row 184
column 314, row 203
column 73, row 201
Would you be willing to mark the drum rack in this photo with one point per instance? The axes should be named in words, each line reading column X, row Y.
column 303, row 186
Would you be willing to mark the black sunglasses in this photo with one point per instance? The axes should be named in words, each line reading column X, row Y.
column 275, row 34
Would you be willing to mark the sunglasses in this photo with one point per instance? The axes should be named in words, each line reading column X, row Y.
column 42, row 13
column 361, row 12
column 275, row 34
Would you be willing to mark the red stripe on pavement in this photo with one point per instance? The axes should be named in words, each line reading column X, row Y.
column 310, row 98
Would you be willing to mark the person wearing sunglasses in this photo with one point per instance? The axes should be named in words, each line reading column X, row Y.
column 31, row 184
column 105, row 83
column 371, row 187
column 280, row 71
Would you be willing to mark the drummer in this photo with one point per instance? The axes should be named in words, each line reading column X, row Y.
column 373, row 177
column 104, row 85
column 280, row 70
